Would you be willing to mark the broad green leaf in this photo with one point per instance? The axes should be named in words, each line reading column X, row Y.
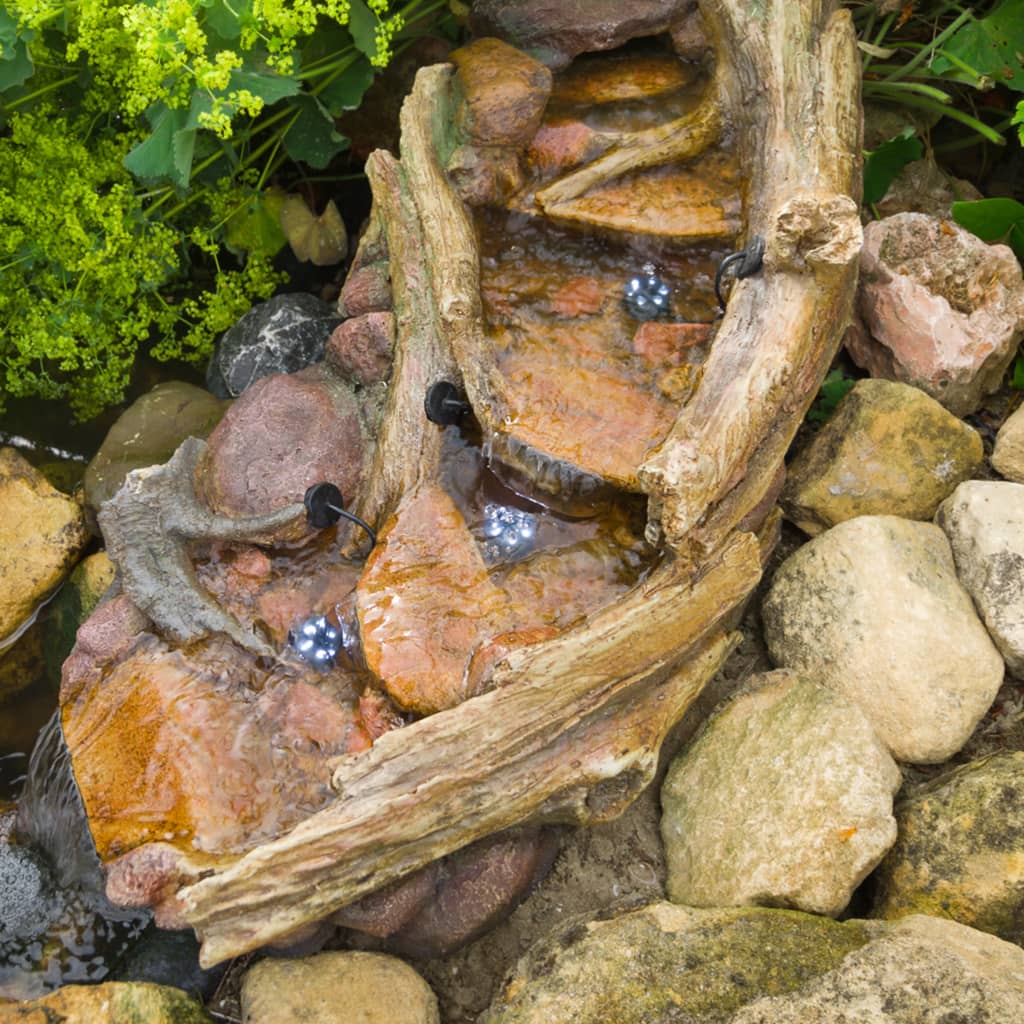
column 992, row 46
column 268, row 85
column 224, row 21
column 8, row 33
column 362, row 23
column 1017, row 377
column 16, row 65
column 346, row 91
column 994, row 220
column 833, row 389
column 256, row 226
column 312, row 139
column 166, row 153
column 883, row 165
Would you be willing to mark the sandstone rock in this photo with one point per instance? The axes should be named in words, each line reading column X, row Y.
column 42, row 533
column 623, row 78
column 148, row 433
column 337, row 988
column 1008, row 455
column 289, row 432
column 872, row 608
column 282, row 335
column 918, row 971
column 758, row 966
column 665, row 962
column 784, row 800
column 923, row 187
column 484, row 175
column 944, row 311
column 502, row 91
column 478, row 887
column 888, row 449
column 113, row 1002
column 664, row 344
column 361, row 348
column 984, row 521
column 367, row 289
column 420, row 647
column 958, row 852
column 556, row 32
column 560, row 145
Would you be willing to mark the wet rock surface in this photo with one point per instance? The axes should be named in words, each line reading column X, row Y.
column 337, row 988
column 984, row 521
column 113, row 1002
column 941, row 309
column 42, row 534
column 957, row 855
column 817, row 820
column 888, row 449
column 873, row 609
column 147, row 434
column 282, row 335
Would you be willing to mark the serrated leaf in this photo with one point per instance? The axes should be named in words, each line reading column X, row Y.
column 883, row 165
column 166, row 153
column 362, row 23
column 347, row 90
column 312, row 139
column 16, row 66
column 993, row 46
column 993, row 220
column 256, row 226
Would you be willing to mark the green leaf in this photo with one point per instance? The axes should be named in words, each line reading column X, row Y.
column 993, row 46
column 994, row 220
column 346, row 91
column 268, row 85
column 883, row 165
column 224, row 21
column 256, row 227
column 166, row 153
column 833, row 389
column 312, row 138
column 1017, row 377
column 362, row 23
column 16, row 65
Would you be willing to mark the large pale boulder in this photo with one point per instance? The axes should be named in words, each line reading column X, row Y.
column 42, row 533
column 785, row 799
column 759, row 966
column 873, row 609
column 337, row 988
column 1008, row 454
column 984, row 521
column 938, row 307
column 960, row 852
column 888, row 449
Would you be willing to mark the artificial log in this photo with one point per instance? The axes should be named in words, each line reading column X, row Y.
column 790, row 76
column 571, row 729
column 570, row 733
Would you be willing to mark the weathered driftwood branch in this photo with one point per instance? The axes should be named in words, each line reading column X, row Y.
column 567, row 716
column 148, row 526
column 790, row 78
column 681, row 139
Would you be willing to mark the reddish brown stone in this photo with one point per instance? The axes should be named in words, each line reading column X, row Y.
column 385, row 911
column 425, row 602
column 144, row 876
column 504, row 93
column 563, row 144
column 579, row 296
column 484, row 175
column 367, row 290
column 361, row 348
column 664, row 344
column 285, row 433
column 480, row 886
column 379, row 715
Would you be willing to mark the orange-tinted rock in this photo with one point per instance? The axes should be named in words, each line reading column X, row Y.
column 666, row 344
column 378, row 714
column 579, row 296
column 202, row 748
column 504, row 92
column 425, row 602
column 560, row 145
column 626, row 77
column 487, row 655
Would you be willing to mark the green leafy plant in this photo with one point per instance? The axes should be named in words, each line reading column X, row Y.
column 994, row 220
column 833, row 390
column 142, row 149
column 883, row 165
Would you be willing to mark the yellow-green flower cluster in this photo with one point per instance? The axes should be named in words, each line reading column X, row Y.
column 86, row 278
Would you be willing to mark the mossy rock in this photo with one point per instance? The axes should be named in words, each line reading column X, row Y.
column 110, row 1003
